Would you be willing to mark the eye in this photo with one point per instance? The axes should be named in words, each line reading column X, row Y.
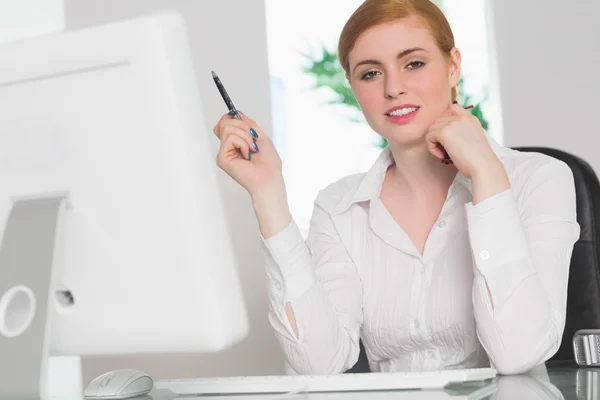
column 415, row 65
column 368, row 75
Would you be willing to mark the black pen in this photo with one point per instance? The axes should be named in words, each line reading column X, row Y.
column 232, row 110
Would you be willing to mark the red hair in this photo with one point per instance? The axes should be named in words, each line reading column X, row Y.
column 377, row 12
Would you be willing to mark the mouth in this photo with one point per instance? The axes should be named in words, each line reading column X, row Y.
column 402, row 114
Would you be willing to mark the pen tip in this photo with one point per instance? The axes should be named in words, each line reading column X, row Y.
column 213, row 74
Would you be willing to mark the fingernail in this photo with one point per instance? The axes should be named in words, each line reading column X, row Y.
column 255, row 146
column 249, row 155
column 253, row 133
column 468, row 107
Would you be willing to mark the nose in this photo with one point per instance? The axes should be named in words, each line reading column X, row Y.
column 394, row 85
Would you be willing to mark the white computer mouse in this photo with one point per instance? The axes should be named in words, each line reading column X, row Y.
column 119, row 384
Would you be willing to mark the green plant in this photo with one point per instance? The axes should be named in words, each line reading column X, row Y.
column 328, row 73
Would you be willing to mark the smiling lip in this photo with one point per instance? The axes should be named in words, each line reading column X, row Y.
column 402, row 119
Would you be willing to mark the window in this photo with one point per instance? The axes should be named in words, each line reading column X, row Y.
column 468, row 21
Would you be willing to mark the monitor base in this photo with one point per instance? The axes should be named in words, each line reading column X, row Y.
column 30, row 251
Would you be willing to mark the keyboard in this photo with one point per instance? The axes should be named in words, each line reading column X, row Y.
column 324, row 383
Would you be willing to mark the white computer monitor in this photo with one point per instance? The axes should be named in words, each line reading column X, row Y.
column 102, row 135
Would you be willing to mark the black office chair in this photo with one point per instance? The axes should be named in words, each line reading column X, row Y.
column 583, row 295
column 583, row 298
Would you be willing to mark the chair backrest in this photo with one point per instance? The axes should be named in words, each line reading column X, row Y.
column 583, row 298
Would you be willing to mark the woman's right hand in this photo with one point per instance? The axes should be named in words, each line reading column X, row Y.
column 255, row 168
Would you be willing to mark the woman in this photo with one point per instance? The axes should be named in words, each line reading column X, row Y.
column 434, row 265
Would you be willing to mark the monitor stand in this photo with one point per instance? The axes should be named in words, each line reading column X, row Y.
column 29, row 253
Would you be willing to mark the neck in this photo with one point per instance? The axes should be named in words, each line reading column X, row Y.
column 418, row 173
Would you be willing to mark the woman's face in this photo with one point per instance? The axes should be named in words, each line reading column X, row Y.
column 401, row 79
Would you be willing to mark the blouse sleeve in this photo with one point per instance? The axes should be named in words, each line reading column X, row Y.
column 320, row 281
column 522, row 251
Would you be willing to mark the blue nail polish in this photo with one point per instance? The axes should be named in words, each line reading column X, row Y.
column 249, row 155
column 253, row 133
column 255, row 146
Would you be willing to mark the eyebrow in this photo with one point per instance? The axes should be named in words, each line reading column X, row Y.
column 400, row 55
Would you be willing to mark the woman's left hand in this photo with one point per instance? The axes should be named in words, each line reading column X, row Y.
column 462, row 136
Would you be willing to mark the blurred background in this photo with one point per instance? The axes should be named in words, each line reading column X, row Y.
column 529, row 67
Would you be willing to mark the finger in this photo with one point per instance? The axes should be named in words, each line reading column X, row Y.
column 242, row 132
column 442, row 124
column 456, row 109
column 260, row 135
column 459, row 110
column 243, row 126
column 435, row 129
column 438, row 151
column 442, row 121
column 217, row 127
column 445, row 119
column 234, row 147
column 433, row 144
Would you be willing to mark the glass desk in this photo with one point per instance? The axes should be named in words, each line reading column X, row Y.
column 559, row 380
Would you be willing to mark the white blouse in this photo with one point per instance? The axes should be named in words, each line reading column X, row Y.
column 359, row 275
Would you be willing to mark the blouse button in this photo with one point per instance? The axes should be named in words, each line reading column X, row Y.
column 484, row 255
column 442, row 224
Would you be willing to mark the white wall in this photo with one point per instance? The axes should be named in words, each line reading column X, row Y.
column 27, row 18
column 548, row 60
column 229, row 37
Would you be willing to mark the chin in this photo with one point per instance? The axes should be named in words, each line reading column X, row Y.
column 405, row 135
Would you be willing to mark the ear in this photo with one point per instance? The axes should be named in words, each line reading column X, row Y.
column 454, row 67
column 348, row 80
